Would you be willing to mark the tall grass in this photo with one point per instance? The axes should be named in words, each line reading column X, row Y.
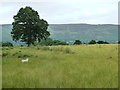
column 84, row 66
column 56, row 49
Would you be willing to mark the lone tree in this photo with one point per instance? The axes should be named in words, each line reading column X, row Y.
column 28, row 27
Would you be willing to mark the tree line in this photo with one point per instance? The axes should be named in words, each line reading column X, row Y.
column 51, row 42
column 77, row 42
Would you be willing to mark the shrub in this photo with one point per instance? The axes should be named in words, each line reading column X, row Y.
column 4, row 54
column 21, row 45
column 92, row 42
column 118, row 42
column 57, row 42
column 23, row 56
column 77, row 42
column 47, row 42
column 50, row 42
column 7, row 44
column 102, row 42
column 19, row 56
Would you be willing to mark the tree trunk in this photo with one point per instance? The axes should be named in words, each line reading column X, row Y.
column 28, row 44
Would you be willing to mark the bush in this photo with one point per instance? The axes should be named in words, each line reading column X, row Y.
column 50, row 42
column 77, row 42
column 102, row 42
column 92, row 42
column 57, row 42
column 47, row 42
column 118, row 42
column 4, row 54
column 7, row 44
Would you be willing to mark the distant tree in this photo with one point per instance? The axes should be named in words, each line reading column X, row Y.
column 50, row 42
column 77, row 42
column 57, row 42
column 7, row 44
column 118, row 42
column 92, row 42
column 106, row 42
column 47, row 42
column 28, row 27
column 102, row 42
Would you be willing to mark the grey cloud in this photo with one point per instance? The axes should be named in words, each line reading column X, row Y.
column 64, row 11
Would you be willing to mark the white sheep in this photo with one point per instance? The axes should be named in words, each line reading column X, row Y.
column 24, row 60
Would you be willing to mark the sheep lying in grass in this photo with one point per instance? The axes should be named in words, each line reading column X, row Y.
column 24, row 60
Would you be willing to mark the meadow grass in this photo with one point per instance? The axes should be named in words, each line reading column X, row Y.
column 75, row 66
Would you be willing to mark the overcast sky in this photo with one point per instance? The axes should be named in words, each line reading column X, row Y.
column 64, row 11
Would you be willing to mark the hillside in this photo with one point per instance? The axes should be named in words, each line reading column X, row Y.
column 71, row 32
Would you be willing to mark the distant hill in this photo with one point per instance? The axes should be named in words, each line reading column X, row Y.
column 71, row 32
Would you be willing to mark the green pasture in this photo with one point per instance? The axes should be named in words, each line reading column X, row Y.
column 75, row 66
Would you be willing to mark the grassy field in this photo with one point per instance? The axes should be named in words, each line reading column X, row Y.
column 83, row 66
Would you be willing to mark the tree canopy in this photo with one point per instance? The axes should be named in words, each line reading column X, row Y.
column 50, row 42
column 77, row 42
column 28, row 27
column 92, row 42
column 102, row 42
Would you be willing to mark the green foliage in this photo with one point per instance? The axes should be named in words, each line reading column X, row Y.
column 4, row 54
column 47, row 42
column 92, row 42
column 28, row 27
column 102, row 42
column 7, row 44
column 50, row 42
column 58, row 42
column 77, row 42
column 118, row 42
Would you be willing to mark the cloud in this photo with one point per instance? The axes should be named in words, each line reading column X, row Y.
column 65, row 11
